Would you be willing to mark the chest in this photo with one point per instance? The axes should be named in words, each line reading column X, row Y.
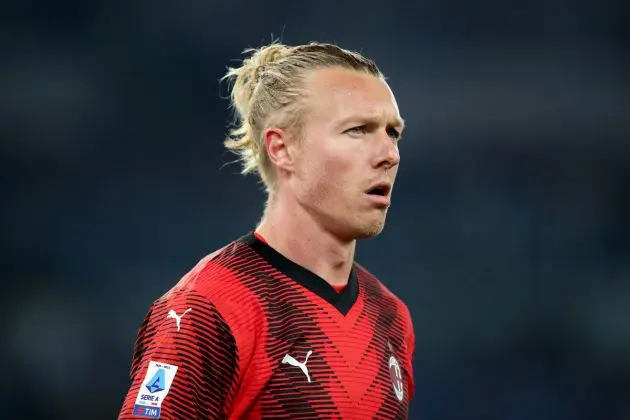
column 322, row 364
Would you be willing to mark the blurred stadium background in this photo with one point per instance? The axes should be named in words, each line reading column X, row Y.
column 509, row 237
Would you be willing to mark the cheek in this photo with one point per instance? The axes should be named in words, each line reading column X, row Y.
column 327, row 168
column 329, row 176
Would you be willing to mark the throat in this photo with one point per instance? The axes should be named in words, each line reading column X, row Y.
column 339, row 287
column 296, row 234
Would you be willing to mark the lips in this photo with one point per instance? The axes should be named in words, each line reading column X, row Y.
column 379, row 189
column 378, row 194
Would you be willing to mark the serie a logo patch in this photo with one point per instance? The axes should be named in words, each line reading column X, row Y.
column 154, row 389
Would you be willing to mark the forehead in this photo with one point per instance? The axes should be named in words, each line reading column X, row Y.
column 337, row 94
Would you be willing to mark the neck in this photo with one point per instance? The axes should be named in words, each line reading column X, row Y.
column 293, row 232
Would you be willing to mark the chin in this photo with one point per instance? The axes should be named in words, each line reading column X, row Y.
column 369, row 230
column 352, row 228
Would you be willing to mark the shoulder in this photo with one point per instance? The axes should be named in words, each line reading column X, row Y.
column 217, row 283
column 219, row 275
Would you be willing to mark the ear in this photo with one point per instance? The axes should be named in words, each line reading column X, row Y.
column 277, row 143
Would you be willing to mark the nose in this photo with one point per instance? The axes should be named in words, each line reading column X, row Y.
column 388, row 154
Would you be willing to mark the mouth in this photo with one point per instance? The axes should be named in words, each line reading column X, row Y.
column 381, row 189
column 378, row 194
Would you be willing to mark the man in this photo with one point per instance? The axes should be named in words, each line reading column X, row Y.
column 282, row 323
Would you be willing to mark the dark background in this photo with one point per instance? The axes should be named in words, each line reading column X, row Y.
column 509, row 238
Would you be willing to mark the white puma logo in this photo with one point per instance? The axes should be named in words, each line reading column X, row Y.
column 291, row 360
column 177, row 318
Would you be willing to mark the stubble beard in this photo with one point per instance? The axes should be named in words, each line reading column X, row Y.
column 349, row 221
column 372, row 228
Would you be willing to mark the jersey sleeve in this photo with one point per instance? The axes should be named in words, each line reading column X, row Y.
column 185, row 362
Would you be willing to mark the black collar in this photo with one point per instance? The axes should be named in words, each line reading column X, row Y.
column 342, row 301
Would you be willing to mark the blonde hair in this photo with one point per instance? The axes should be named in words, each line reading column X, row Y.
column 266, row 90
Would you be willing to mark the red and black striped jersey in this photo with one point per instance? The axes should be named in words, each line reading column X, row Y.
column 249, row 334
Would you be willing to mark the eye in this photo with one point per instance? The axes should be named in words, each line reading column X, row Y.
column 358, row 130
column 393, row 133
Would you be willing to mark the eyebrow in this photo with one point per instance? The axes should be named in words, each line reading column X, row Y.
column 396, row 122
column 399, row 123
